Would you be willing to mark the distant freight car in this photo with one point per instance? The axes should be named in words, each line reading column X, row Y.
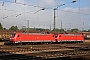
column 45, row 38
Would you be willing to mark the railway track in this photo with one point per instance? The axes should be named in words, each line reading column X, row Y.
column 49, row 51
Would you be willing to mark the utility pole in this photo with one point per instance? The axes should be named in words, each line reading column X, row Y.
column 27, row 25
column 3, row 3
column 83, row 26
column 55, row 13
column 50, row 27
column 70, row 27
column 54, row 19
column 61, row 24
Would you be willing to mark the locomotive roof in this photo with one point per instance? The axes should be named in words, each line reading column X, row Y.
column 71, row 34
column 36, row 33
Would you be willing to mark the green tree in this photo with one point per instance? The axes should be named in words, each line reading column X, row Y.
column 84, row 30
column 23, row 28
column 13, row 28
column 88, row 30
column 61, row 30
column 74, row 30
column 1, row 28
column 68, row 30
column 4, row 29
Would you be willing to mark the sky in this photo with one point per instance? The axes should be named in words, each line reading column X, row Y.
column 72, row 15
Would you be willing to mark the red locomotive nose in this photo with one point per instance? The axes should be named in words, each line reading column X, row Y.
column 11, row 39
column 56, row 35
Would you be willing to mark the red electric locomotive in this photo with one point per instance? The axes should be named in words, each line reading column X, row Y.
column 70, row 38
column 31, row 37
column 45, row 38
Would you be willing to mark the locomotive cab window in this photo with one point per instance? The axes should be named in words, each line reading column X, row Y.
column 18, row 36
column 53, row 35
column 60, row 36
column 56, row 35
column 13, row 35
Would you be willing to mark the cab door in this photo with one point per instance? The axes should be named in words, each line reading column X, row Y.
column 18, row 38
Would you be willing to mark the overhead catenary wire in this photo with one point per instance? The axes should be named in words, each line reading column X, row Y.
column 18, row 3
column 44, row 7
column 3, row 3
column 15, row 11
column 75, row 16
column 15, row 15
column 79, row 7
column 38, row 6
column 26, row 4
column 74, row 12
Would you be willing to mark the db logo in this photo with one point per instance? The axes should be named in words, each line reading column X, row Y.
column 37, row 37
column 72, row 37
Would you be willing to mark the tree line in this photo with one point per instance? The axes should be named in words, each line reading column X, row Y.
column 41, row 29
column 11, row 28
